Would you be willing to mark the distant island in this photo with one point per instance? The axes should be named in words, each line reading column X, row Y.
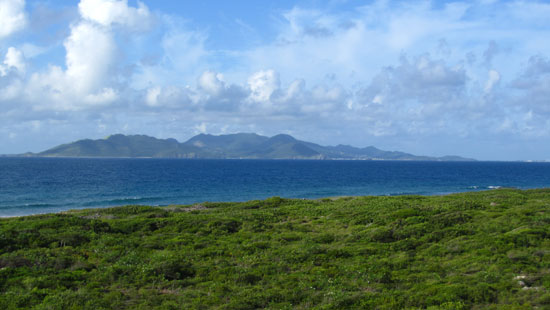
column 231, row 146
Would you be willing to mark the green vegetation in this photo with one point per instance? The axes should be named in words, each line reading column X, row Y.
column 483, row 250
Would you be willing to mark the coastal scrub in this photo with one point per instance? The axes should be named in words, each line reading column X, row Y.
column 475, row 250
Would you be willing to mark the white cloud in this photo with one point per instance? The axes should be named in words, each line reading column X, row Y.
column 169, row 97
column 12, row 70
column 11, row 91
column 263, row 84
column 201, row 128
column 109, row 12
column 12, row 17
column 14, row 60
column 152, row 96
column 322, row 93
column 90, row 54
column 354, row 44
column 90, row 77
column 213, row 93
column 104, row 96
column 211, row 82
column 294, row 91
column 378, row 99
column 420, row 82
column 90, row 51
column 494, row 78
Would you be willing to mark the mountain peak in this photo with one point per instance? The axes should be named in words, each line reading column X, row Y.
column 283, row 138
column 115, row 136
column 119, row 136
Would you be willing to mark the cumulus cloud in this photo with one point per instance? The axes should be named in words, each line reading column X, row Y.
column 211, row 82
column 14, row 60
column 152, row 96
column 262, row 95
column 423, row 96
column 85, row 81
column 90, row 76
column 12, row 70
column 422, row 81
column 12, row 17
column 89, row 56
column 328, row 94
column 110, row 12
column 169, row 97
column 262, row 85
column 213, row 93
column 106, row 95
column 295, row 91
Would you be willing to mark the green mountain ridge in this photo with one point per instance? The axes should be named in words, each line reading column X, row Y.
column 231, row 146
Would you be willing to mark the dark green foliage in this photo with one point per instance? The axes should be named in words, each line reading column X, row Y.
column 173, row 268
column 484, row 250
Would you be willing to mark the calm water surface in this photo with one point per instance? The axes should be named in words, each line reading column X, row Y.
column 41, row 185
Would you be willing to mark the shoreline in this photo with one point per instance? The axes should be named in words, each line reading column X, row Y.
column 540, row 161
column 330, row 198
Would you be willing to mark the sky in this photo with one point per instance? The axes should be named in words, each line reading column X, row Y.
column 468, row 78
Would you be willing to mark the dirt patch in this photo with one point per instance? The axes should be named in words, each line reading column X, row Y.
column 99, row 216
column 196, row 207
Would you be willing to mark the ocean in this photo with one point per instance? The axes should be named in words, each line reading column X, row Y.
column 44, row 185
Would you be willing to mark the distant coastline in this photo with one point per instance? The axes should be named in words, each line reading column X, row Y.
column 232, row 146
column 37, row 155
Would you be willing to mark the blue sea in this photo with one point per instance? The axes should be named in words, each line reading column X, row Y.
column 43, row 185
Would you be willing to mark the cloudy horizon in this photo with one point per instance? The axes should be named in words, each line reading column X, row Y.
column 468, row 78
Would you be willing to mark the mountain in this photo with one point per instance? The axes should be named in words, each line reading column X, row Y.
column 121, row 146
column 232, row 146
column 240, row 145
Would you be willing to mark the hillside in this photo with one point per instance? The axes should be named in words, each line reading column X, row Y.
column 481, row 250
column 122, row 146
column 233, row 146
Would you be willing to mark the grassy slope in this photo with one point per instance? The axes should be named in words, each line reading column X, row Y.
column 459, row 251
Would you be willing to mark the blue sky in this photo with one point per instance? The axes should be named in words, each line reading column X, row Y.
column 470, row 78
